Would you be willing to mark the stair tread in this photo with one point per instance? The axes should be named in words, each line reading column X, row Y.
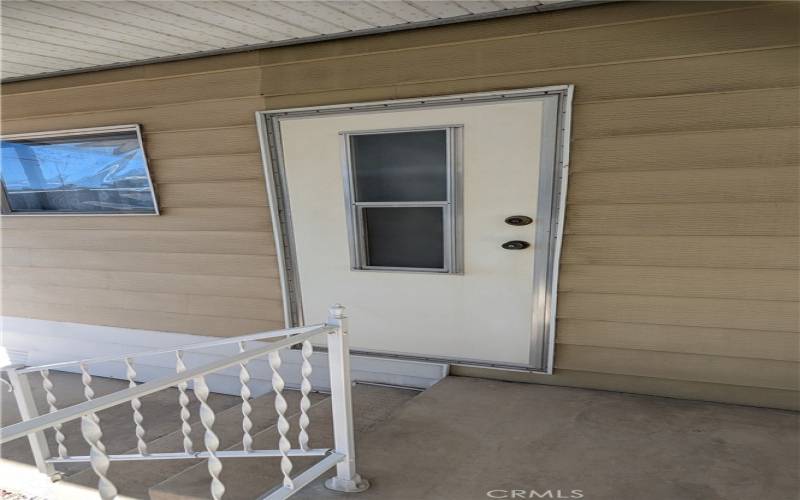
column 247, row 478
column 160, row 411
column 133, row 478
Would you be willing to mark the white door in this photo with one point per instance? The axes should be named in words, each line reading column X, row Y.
column 400, row 215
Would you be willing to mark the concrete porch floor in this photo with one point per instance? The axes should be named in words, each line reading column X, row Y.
column 469, row 438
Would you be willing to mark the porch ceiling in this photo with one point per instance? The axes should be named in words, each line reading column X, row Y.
column 43, row 37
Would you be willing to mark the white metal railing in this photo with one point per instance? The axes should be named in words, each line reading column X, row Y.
column 342, row 455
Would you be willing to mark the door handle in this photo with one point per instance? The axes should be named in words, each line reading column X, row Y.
column 515, row 245
column 518, row 220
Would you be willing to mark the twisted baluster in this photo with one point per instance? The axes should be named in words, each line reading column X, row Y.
column 183, row 400
column 90, row 428
column 305, row 389
column 283, row 425
column 47, row 384
column 247, row 424
column 136, row 404
column 86, row 379
column 211, row 440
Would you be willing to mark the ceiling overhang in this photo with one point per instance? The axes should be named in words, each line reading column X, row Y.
column 42, row 38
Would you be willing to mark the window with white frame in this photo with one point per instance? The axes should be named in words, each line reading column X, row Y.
column 402, row 190
column 84, row 171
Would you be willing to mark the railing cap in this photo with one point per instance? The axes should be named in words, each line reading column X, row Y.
column 337, row 311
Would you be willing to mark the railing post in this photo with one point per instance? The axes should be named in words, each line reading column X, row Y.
column 27, row 410
column 346, row 479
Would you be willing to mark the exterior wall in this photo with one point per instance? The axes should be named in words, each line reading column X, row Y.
column 679, row 274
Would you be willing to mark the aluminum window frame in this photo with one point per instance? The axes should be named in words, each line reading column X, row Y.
column 5, row 207
column 452, row 219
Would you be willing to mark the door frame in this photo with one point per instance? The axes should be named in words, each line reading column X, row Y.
column 552, row 192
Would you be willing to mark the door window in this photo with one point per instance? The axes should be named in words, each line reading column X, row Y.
column 401, row 191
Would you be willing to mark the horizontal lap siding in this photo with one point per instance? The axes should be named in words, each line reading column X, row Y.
column 680, row 262
column 173, row 218
column 202, row 114
column 743, row 252
column 681, row 252
column 738, row 148
column 206, row 265
column 585, row 46
column 758, row 284
column 695, row 219
column 177, row 263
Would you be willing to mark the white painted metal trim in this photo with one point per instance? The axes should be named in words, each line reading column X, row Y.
column 72, row 131
column 280, row 214
column 542, row 355
column 564, row 137
column 544, row 227
column 412, row 102
column 28, row 411
column 131, row 457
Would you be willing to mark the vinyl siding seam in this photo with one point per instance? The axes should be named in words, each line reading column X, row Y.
column 713, row 379
column 675, row 296
column 461, row 43
column 792, row 392
column 148, row 107
column 687, row 132
column 622, row 62
column 763, row 358
column 690, row 94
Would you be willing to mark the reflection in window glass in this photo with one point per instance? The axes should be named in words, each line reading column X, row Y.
column 402, row 166
column 404, row 237
column 92, row 173
column 400, row 187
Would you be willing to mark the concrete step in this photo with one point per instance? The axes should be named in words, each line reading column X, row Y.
column 133, row 479
column 247, row 478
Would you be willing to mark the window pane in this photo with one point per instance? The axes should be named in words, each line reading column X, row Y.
column 401, row 166
column 103, row 173
column 404, row 237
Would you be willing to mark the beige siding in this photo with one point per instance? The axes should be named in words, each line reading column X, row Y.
column 206, row 265
column 680, row 263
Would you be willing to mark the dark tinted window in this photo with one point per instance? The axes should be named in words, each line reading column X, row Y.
column 400, row 166
column 404, row 237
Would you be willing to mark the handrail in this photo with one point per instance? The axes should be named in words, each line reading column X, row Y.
column 166, row 350
column 42, row 422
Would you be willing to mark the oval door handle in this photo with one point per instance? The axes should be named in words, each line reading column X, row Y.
column 518, row 220
column 515, row 245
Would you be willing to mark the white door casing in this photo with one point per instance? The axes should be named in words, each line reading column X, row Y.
column 499, row 311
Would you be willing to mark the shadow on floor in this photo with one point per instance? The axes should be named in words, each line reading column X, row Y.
column 471, row 438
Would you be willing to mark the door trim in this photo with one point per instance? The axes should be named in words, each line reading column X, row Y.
column 554, row 170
